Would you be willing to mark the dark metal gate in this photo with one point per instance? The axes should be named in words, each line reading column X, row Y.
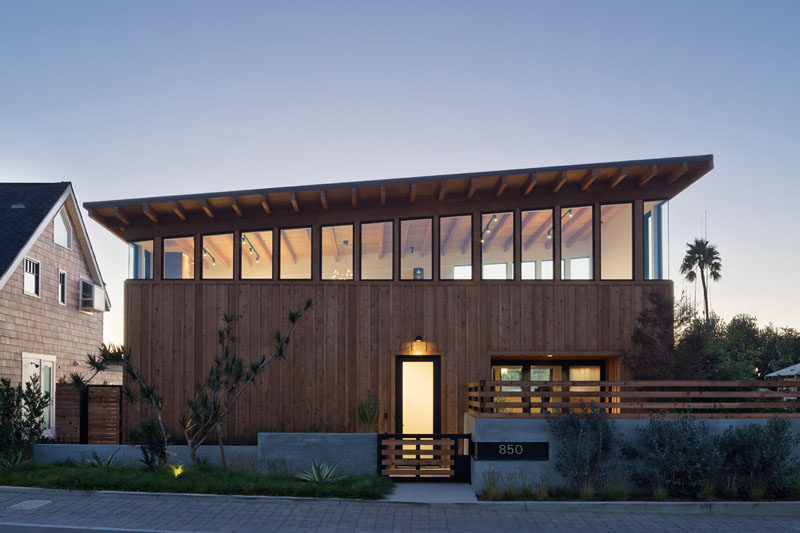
column 424, row 457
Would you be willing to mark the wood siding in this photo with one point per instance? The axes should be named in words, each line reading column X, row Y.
column 347, row 343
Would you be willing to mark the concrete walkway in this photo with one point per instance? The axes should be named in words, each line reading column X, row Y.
column 433, row 493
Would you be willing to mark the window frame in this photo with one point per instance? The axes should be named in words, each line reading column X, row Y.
column 62, row 287
column 38, row 278
column 513, row 213
column 400, row 252
column 310, row 229
column 241, row 277
column 64, row 215
column 471, row 216
column 352, row 250
column 233, row 255
column 194, row 259
column 537, row 272
column 665, row 275
column 633, row 240
column 361, row 249
column 152, row 258
column 562, row 243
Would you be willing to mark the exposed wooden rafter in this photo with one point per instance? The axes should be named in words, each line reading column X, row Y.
column 680, row 171
column 149, row 213
column 323, row 199
column 647, row 176
column 617, row 178
column 560, row 181
column 455, row 221
column 535, row 235
column 493, row 233
column 442, row 190
column 287, row 246
column 265, row 204
column 121, row 216
column 473, row 186
column 207, row 209
column 293, row 201
column 588, row 179
column 267, row 248
column 176, row 208
column 502, row 183
column 530, row 184
column 236, row 207
column 413, row 194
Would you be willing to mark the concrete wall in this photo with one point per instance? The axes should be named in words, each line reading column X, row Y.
column 537, row 430
column 356, row 453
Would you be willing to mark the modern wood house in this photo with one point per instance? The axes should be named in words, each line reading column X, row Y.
column 419, row 286
column 52, row 296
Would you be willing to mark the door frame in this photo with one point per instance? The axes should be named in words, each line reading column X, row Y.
column 437, row 389
column 53, row 360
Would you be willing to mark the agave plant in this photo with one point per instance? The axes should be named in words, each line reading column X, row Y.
column 320, row 472
column 14, row 460
column 98, row 462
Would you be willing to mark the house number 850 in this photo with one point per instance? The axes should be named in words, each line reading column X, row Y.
column 510, row 449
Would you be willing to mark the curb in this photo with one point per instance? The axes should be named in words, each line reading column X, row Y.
column 782, row 508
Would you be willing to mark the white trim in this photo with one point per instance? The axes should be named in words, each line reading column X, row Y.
column 53, row 360
column 74, row 209
column 58, row 295
column 38, row 278
column 61, row 213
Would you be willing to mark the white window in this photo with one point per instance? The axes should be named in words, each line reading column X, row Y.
column 495, row 271
column 62, row 287
column 462, row 272
column 529, row 269
column 580, row 268
column 31, row 277
column 62, row 229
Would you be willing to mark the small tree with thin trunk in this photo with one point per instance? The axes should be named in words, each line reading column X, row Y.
column 226, row 381
column 703, row 257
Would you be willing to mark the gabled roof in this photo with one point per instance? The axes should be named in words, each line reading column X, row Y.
column 789, row 371
column 25, row 211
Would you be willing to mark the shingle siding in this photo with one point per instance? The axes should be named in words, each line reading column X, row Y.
column 41, row 325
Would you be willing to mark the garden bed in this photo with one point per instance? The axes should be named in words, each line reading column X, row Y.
column 200, row 480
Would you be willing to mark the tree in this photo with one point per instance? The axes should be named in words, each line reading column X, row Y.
column 704, row 257
column 226, row 381
column 21, row 417
column 652, row 355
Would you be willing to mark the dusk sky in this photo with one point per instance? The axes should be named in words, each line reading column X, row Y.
column 153, row 98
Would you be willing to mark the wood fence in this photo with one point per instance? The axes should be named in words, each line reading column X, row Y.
column 635, row 399
column 89, row 416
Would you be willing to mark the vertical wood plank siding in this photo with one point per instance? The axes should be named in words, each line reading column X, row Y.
column 346, row 344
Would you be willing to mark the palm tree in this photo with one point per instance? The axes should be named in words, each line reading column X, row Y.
column 702, row 256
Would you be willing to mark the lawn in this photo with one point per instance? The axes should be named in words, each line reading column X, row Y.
column 203, row 480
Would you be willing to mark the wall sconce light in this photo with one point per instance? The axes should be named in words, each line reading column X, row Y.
column 418, row 346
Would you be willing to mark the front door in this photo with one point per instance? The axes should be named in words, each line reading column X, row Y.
column 44, row 367
column 417, row 393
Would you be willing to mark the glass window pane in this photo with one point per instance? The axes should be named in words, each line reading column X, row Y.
column 497, row 245
column 576, row 241
column 455, row 247
column 296, row 253
column 376, row 250
column 337, row 252
column 656, row 244
column 416, row 243
column 537, row 243
column 140, row 260
column 62, row 229
column 616, row 241
column 257, row 254
column 218, row 256
column 179, row 258
column 46, row 384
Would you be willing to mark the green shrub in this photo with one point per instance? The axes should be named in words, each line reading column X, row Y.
column 680, row 456
column 760, row 457
column 660, row 494
column 491, row 485
column 587, row 446
column 543, row 493
column 615, row 490
column 21, row 418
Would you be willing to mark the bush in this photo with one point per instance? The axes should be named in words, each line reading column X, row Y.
column 587, row 447
column 760, row 458
column 680, row 456
column 21, row 418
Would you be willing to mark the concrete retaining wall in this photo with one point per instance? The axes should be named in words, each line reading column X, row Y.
column 238, row 457
column 537, row 430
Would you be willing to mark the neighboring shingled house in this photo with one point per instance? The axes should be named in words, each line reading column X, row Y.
column 52, row 295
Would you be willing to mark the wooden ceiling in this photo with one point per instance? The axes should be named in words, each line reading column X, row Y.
column 673, row 174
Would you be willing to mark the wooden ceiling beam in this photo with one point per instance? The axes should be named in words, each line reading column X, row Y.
column 647, row 176
column 617, row 178
column 560, row 181
column 381, row 243
column 587, row 180
column 265, row 204
column 534, row 236
column 207, row 209
column 293, row 201
column 289, row 250
column 502, row 183
column 413, row 195
column 680, row 171
column 149, row 213
column 473, row 186
column 236, row 207
column 121, row 216
column 218, row 256
column 581, row 233
column 383, row 195
column 494, row 232
column 530, row 184
column 335, row 243
column 354, row 197
column 442, row 190
column 449, row 235
column 323, row 199
column 176, row 208
column 267, row 247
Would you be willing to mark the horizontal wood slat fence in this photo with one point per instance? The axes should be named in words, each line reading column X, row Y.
column 419, row 456
column 89, row 416
column 635, row 399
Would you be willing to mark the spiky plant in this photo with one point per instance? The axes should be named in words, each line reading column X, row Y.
column 368, row 412
column 320, row 472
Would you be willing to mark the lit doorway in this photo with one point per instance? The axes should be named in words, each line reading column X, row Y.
column 417, row 394
column 44, row 367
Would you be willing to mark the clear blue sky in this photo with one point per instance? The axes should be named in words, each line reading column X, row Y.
column 145, row 98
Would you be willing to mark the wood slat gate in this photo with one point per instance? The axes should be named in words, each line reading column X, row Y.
column 424, row 457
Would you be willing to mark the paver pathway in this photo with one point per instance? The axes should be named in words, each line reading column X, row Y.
column 70, row 511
